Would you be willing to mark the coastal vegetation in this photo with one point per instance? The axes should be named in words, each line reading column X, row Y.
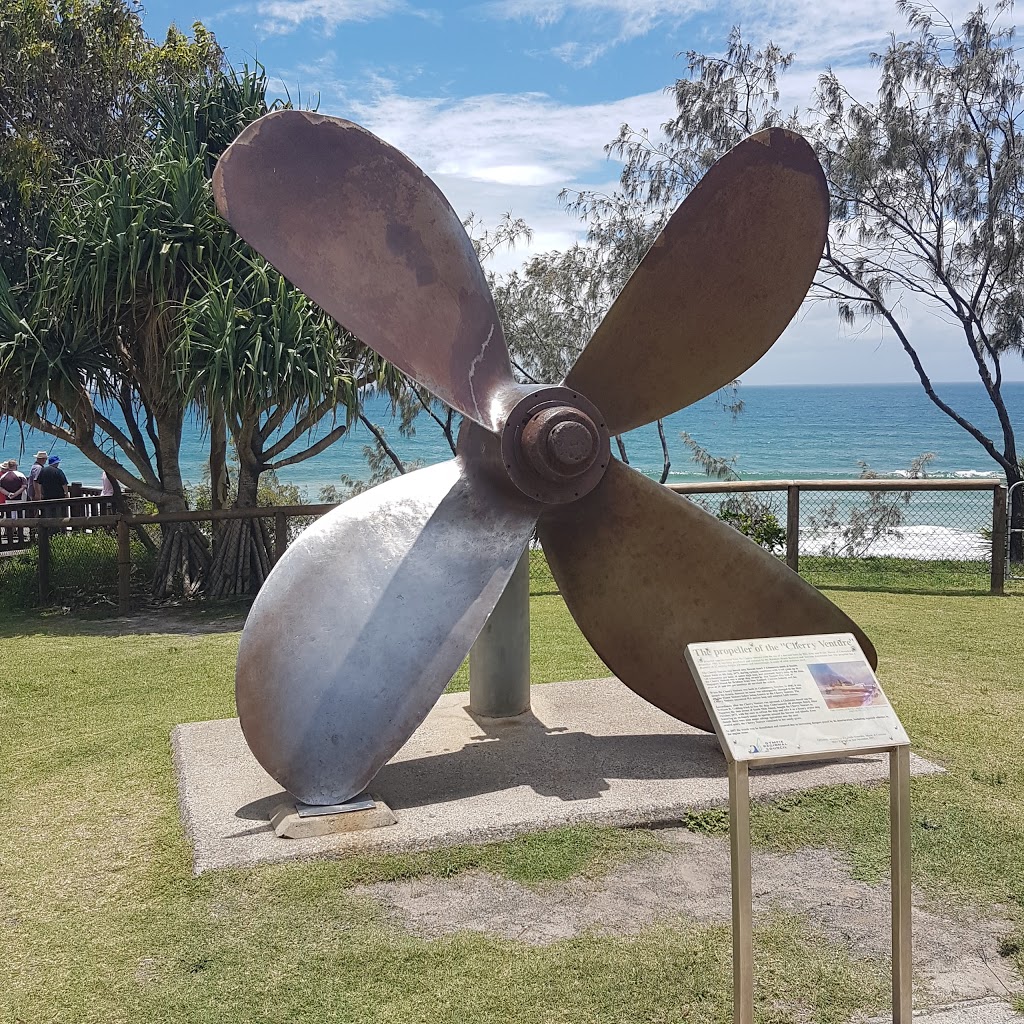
column 927, row 189
column 127, row 305
column 137, row 305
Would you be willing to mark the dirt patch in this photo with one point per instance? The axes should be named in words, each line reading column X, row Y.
column 169, row 620
column 956, row 950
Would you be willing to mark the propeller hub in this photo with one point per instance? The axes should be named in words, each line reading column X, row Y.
column 555, row 445
column 560, row 442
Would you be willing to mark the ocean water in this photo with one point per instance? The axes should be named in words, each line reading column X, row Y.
column 797, row 432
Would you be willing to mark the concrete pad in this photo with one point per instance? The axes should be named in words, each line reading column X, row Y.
column 975, row 1011
column 589, row 751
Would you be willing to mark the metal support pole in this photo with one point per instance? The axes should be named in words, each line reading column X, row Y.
column 793, row 528
column 999, row 544
column 499, row 663
column 742, row 894
column 902, row 940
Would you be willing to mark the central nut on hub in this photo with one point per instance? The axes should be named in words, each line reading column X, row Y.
column 555, row 445
column 560, row 442
column 570, row 444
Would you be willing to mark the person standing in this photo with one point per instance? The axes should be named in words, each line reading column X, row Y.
column 33, row 490
column 53, row 484
column 13, row 487
column 12, row 483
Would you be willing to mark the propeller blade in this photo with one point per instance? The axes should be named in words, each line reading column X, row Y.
column 369, row 237
column 645, row 572
column 366, row 618
column 716, row 289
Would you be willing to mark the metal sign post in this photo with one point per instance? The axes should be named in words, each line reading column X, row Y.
column 742, row 892
column 783, row 700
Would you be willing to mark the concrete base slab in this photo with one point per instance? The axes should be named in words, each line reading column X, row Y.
column 589, row 751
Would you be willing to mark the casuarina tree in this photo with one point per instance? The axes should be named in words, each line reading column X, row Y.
column 926, row 180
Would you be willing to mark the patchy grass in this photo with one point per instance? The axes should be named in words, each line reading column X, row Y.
column 951, row 666
column 102, row 920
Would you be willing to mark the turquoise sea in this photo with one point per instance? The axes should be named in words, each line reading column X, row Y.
column 803, row 432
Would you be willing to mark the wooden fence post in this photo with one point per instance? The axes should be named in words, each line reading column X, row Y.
column 124, row 567
column 998, row 577
column 44, row 565
column 793, row 528
column 280, row 535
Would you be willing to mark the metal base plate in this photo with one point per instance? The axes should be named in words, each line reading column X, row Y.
column 363, row 802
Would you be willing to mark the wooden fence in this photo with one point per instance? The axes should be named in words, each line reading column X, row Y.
column 40, row 521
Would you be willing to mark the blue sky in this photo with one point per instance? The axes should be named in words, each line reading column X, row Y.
column 506, row 102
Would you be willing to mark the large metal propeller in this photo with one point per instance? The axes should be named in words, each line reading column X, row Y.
column 363, row 622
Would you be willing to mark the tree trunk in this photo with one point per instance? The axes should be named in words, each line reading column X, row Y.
column 183, row 563
column 243, row 548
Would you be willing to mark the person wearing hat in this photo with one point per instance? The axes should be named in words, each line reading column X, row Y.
column 52, row 484
column 33, row 491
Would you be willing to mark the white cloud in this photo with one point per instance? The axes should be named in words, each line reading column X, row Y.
column 503, row 153
column 819, row 32
column 515, row 139
column 281, row 16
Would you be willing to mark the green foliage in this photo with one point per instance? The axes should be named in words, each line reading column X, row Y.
column 83, row 572
column 73, row 75
column 272, row 493
column 754, row 520
column 897, row 574
column 926, row 183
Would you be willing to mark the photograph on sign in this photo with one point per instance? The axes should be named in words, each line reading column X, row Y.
column 790, row 696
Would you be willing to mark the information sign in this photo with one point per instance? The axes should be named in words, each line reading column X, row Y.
column 793, row 697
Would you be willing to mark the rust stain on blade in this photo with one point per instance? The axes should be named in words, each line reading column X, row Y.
column 368, row 236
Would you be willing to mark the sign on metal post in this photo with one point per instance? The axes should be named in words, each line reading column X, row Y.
column 780, row 700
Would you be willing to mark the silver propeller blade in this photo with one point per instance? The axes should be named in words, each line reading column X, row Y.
column 364, row 621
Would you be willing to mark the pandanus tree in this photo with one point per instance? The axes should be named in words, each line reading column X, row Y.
column 126, row 240
column 283, row 377
column 170, row 314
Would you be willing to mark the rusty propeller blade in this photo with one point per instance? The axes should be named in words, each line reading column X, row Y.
column 645, row 572
column 366, row 618
column 716, row 289
column 369, row 237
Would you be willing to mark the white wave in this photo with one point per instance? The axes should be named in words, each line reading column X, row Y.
column 925, row 543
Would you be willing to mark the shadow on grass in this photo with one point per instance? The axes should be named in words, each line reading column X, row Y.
column 226, row 616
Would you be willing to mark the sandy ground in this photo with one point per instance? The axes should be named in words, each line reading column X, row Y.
column 956, row 949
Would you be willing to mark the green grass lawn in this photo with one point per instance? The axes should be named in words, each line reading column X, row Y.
column 103, row 921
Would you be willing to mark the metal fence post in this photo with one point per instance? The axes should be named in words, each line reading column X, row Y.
column 793, row 528
column 124, row 567
column 998, row 577
column 44, row 565
column 280, row 535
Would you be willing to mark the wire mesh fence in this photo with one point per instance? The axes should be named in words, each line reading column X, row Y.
column 923, row 535
column 920, row 535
